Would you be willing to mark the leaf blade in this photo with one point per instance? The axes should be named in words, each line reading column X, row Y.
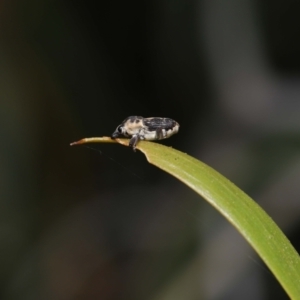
column 245, row 214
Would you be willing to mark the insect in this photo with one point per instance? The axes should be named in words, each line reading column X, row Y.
column 138, row 128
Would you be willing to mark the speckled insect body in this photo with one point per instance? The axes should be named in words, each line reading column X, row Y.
column 138, row 128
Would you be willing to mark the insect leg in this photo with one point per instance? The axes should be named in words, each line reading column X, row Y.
column 133, row 141
column 159, row 134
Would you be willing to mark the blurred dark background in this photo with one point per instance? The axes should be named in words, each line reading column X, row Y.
column 99, row 222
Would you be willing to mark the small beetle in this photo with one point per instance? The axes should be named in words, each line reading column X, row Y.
column 138, row 128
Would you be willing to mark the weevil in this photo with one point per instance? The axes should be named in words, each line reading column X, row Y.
column 138, row 128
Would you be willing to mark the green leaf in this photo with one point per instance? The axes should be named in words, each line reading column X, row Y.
column 238, row 208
